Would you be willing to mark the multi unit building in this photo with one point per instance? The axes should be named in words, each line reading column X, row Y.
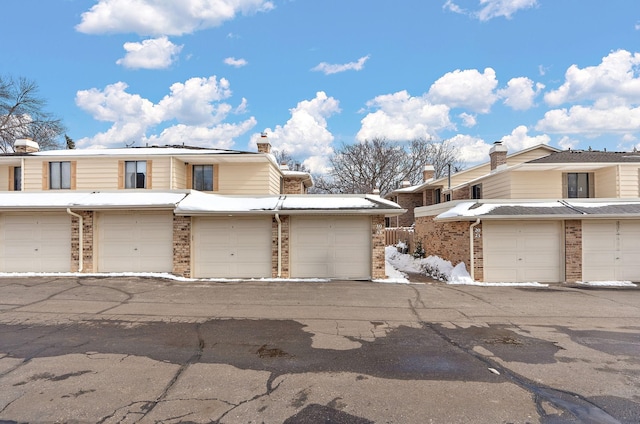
column 193, row 212
column 536, row 215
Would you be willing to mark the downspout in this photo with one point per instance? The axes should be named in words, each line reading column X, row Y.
column 80, row 236
column 279, row 245
column 471, row 259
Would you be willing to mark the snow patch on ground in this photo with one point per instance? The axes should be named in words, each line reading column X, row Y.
column 607, row 283
column 441, row 269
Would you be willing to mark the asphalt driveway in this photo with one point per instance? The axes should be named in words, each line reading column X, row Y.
column 125, row 350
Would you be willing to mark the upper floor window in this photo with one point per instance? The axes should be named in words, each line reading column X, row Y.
column 437, row 196
column 17, row 178
column 135, row 174
column 578, row 185
column 59, row 175
column 476, row 191
column 202, row 177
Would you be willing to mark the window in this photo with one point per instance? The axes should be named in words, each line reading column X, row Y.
column 437, row 196
column 59, row 175
column 476, row 191
column 17, row 178
column 135, row 174
column 203, row 177
column 578, row 185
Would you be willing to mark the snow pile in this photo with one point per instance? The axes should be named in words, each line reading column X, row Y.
column 607, row 283
column 441, row 269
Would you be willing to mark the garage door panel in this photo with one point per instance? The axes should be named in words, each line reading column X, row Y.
column 37, row 242
column 135, row 242
column 611, row 250
column 232, row 247
column 331, row 247
column 522, row 251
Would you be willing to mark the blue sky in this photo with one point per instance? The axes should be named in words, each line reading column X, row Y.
column 315, row 74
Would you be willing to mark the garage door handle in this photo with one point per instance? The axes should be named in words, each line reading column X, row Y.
column 135, row 248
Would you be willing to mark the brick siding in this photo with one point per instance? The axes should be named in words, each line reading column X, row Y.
column 573, row 250
column 408, row 201
column 378, row 270
column 293, row 185
column 284, row 245
column 182, row 246
column 447, row 240
column 87, row 242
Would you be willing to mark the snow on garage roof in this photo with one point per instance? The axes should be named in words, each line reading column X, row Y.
column 185, row 202
column 558, row 209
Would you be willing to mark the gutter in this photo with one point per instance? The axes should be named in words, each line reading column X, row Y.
column 471, row 256
column 80, row 238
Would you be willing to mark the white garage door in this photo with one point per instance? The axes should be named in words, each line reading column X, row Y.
column 232, row 247
column 611, row 250
column 135, row 242
column 331, row 247
column 35, row 242
column 522, row 251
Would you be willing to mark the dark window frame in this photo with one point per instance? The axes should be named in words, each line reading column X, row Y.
column 135, row 175
column 60, row 175
column 202, row 178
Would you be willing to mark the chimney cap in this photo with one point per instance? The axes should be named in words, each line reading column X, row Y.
column 26, row 145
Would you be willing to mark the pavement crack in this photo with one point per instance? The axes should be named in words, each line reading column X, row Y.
column 573, row 403
column 192, row 360
column 270, row 389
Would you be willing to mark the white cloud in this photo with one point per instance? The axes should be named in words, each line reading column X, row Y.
column 197, row 106
column 471, row 150
column 161, row 17
column 567, row 142
column 192, row 102
column 490, row 9
column 305, row 134
column 329, row 69
column 468, row 120
column 466, row 89
column 237, row 63
column 519, row 93
column 155, row 53
column 519, row 139
column 403, row 117
column 615, row 81
column 591, row 121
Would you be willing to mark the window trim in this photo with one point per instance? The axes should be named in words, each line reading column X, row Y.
column 46, row 175
column 478, row 188
column 590, row 185
column 189, row 176
column 122, row 174
column 13, row 180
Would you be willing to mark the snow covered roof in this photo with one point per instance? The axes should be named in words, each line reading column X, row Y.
column 185, row 202
column 89, row 200
column 210, row 204
column 551, row 209
column 142, row 151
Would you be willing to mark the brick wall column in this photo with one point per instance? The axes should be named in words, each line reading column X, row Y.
column 87, row 245
column 478, row 253
column 182, row 246
column 285, row 222
column 573, row 250
column 377, row 248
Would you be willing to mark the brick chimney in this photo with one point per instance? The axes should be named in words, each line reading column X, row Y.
column 498, row 155
column 263, row 145
column 428, row 172
column 25, row 145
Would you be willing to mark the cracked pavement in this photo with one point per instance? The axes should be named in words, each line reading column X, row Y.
column 148, row 350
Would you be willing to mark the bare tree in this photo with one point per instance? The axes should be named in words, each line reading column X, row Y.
column 284, row 158
column 22, row 115
column 382, row 164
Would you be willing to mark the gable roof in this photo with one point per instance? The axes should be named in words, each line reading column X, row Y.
column 587, row 156
column 442, row 181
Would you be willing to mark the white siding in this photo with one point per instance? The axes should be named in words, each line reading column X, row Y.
column 629, row 186
column 96, row 174
column 606, row 182
column 536, row 185
column 497, row 186
column 246, row 178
